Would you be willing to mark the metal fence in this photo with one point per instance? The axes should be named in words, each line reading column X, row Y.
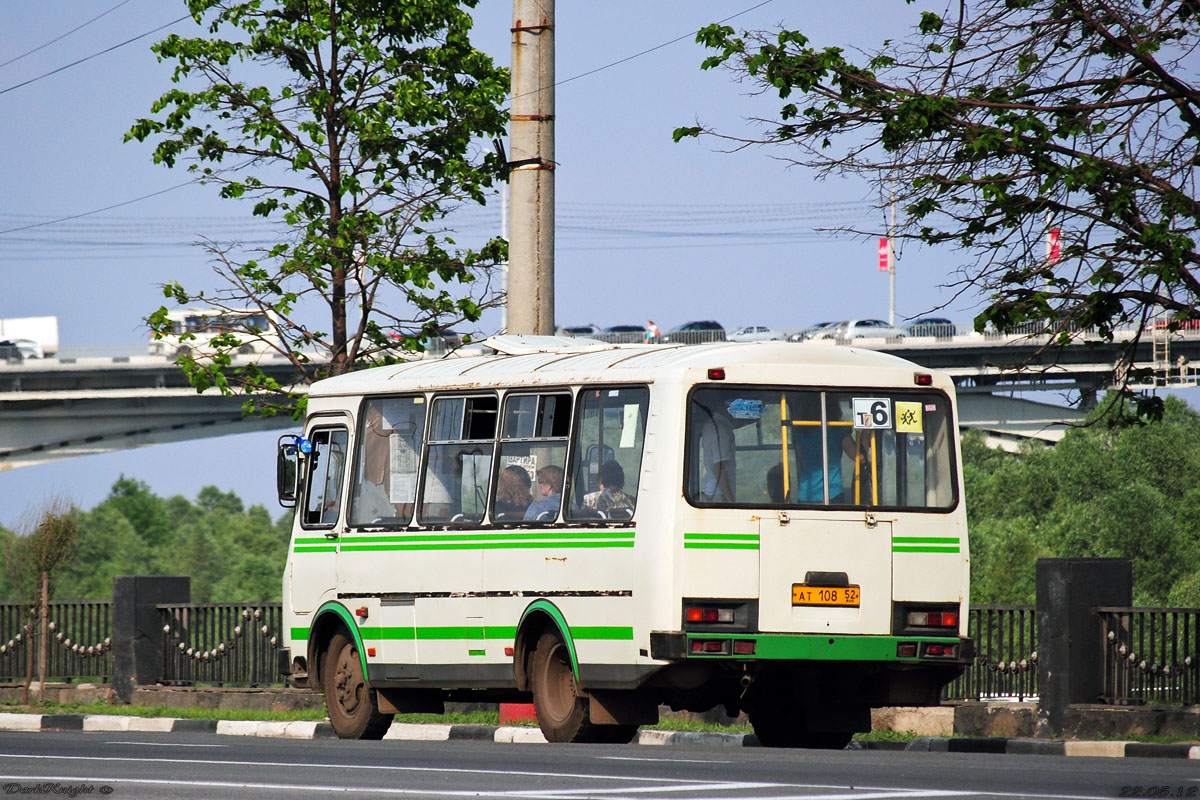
column 220, row 643
column 1152, row 655
column 1005, row 664
column 80, row 640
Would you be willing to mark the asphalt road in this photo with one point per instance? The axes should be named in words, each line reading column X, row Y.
column 139, row 765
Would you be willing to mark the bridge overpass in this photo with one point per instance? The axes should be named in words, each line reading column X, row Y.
column 59, row 408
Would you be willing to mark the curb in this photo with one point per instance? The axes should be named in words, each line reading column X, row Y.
column 412, row 732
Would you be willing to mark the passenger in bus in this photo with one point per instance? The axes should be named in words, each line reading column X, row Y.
column 720, row 459
column 550, row 484
column 611, row 500
column 513, row 493
column 775, row 489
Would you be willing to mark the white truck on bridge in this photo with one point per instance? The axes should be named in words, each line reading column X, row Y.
column 33, row 337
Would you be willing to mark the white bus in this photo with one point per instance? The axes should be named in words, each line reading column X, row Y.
column 609, row 528
column 201, row 325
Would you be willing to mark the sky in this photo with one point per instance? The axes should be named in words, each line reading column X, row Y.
column 647, row 228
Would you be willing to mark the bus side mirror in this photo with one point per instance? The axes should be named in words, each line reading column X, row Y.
column 287, row 469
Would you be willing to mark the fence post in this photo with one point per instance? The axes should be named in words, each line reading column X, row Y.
column 1070, row 642
column 137, row 630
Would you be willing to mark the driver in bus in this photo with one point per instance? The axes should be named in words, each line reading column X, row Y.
column 720, row 459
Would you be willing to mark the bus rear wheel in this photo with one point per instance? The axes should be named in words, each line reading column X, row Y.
column 353, row 710
column 562, row 708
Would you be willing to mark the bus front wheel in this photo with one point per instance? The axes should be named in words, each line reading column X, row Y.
column 562, row 709
column 353, row 710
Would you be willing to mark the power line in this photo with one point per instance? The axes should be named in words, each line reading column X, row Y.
column 96, row 211
column 65, row 35
column 656, row 47
column 93, row 55
column 644, row 52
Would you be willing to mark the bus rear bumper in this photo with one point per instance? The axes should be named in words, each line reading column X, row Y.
column 923, row 650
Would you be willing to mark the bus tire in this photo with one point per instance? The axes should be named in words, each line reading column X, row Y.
column 352, row 706
column 562, row 708
column 775, row 729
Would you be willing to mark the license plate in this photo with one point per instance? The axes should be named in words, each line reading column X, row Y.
column 825, row 595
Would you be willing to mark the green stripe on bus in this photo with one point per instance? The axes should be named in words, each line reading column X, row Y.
column 925, row 540
column 477, row 652
column 720, row 546
column 735, row 536
column 300, row 633
column 355, row 548
column 483, row 537
column 474, row 633
column 918, row 549
column 601, row 632
column 329, row 549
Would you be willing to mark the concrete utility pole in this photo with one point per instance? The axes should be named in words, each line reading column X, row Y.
column 531, row 170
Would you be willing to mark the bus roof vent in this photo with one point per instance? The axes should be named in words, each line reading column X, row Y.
column 512, row 345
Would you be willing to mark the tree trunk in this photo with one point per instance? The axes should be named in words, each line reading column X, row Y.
column 42, row 641
column 30, row 643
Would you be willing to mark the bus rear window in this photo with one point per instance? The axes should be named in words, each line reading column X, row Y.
column 868, row 448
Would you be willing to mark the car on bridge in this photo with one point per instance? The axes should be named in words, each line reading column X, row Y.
column 624, row 334
column 755, row 333
column 20, row 349
column 849, row 329
column 931, row 326
column 578, row 330
column 695, row 332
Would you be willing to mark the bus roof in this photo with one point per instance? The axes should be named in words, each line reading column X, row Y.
column 549, row 361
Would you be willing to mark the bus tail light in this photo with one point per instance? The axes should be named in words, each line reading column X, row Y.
column 710, row 647
column 708, row 614
column 906, row 650
column 933, row 619
column 744, row 647
column 936, row 650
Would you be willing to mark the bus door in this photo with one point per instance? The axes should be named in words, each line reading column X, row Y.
column 314, row 554
column 824, row 553
column 377, row 554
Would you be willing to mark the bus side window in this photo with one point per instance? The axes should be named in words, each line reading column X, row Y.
column 391, row 430
column 327, row 464
column 533, row 457
column 462, row 436
column 607, row 452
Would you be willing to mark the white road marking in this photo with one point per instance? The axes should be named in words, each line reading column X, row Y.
column 168, row 744
column 569, row 794
column 665, row 760
column 672, row 784
column 386, row 767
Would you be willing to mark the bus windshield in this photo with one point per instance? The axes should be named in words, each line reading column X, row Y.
column 785, row 447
